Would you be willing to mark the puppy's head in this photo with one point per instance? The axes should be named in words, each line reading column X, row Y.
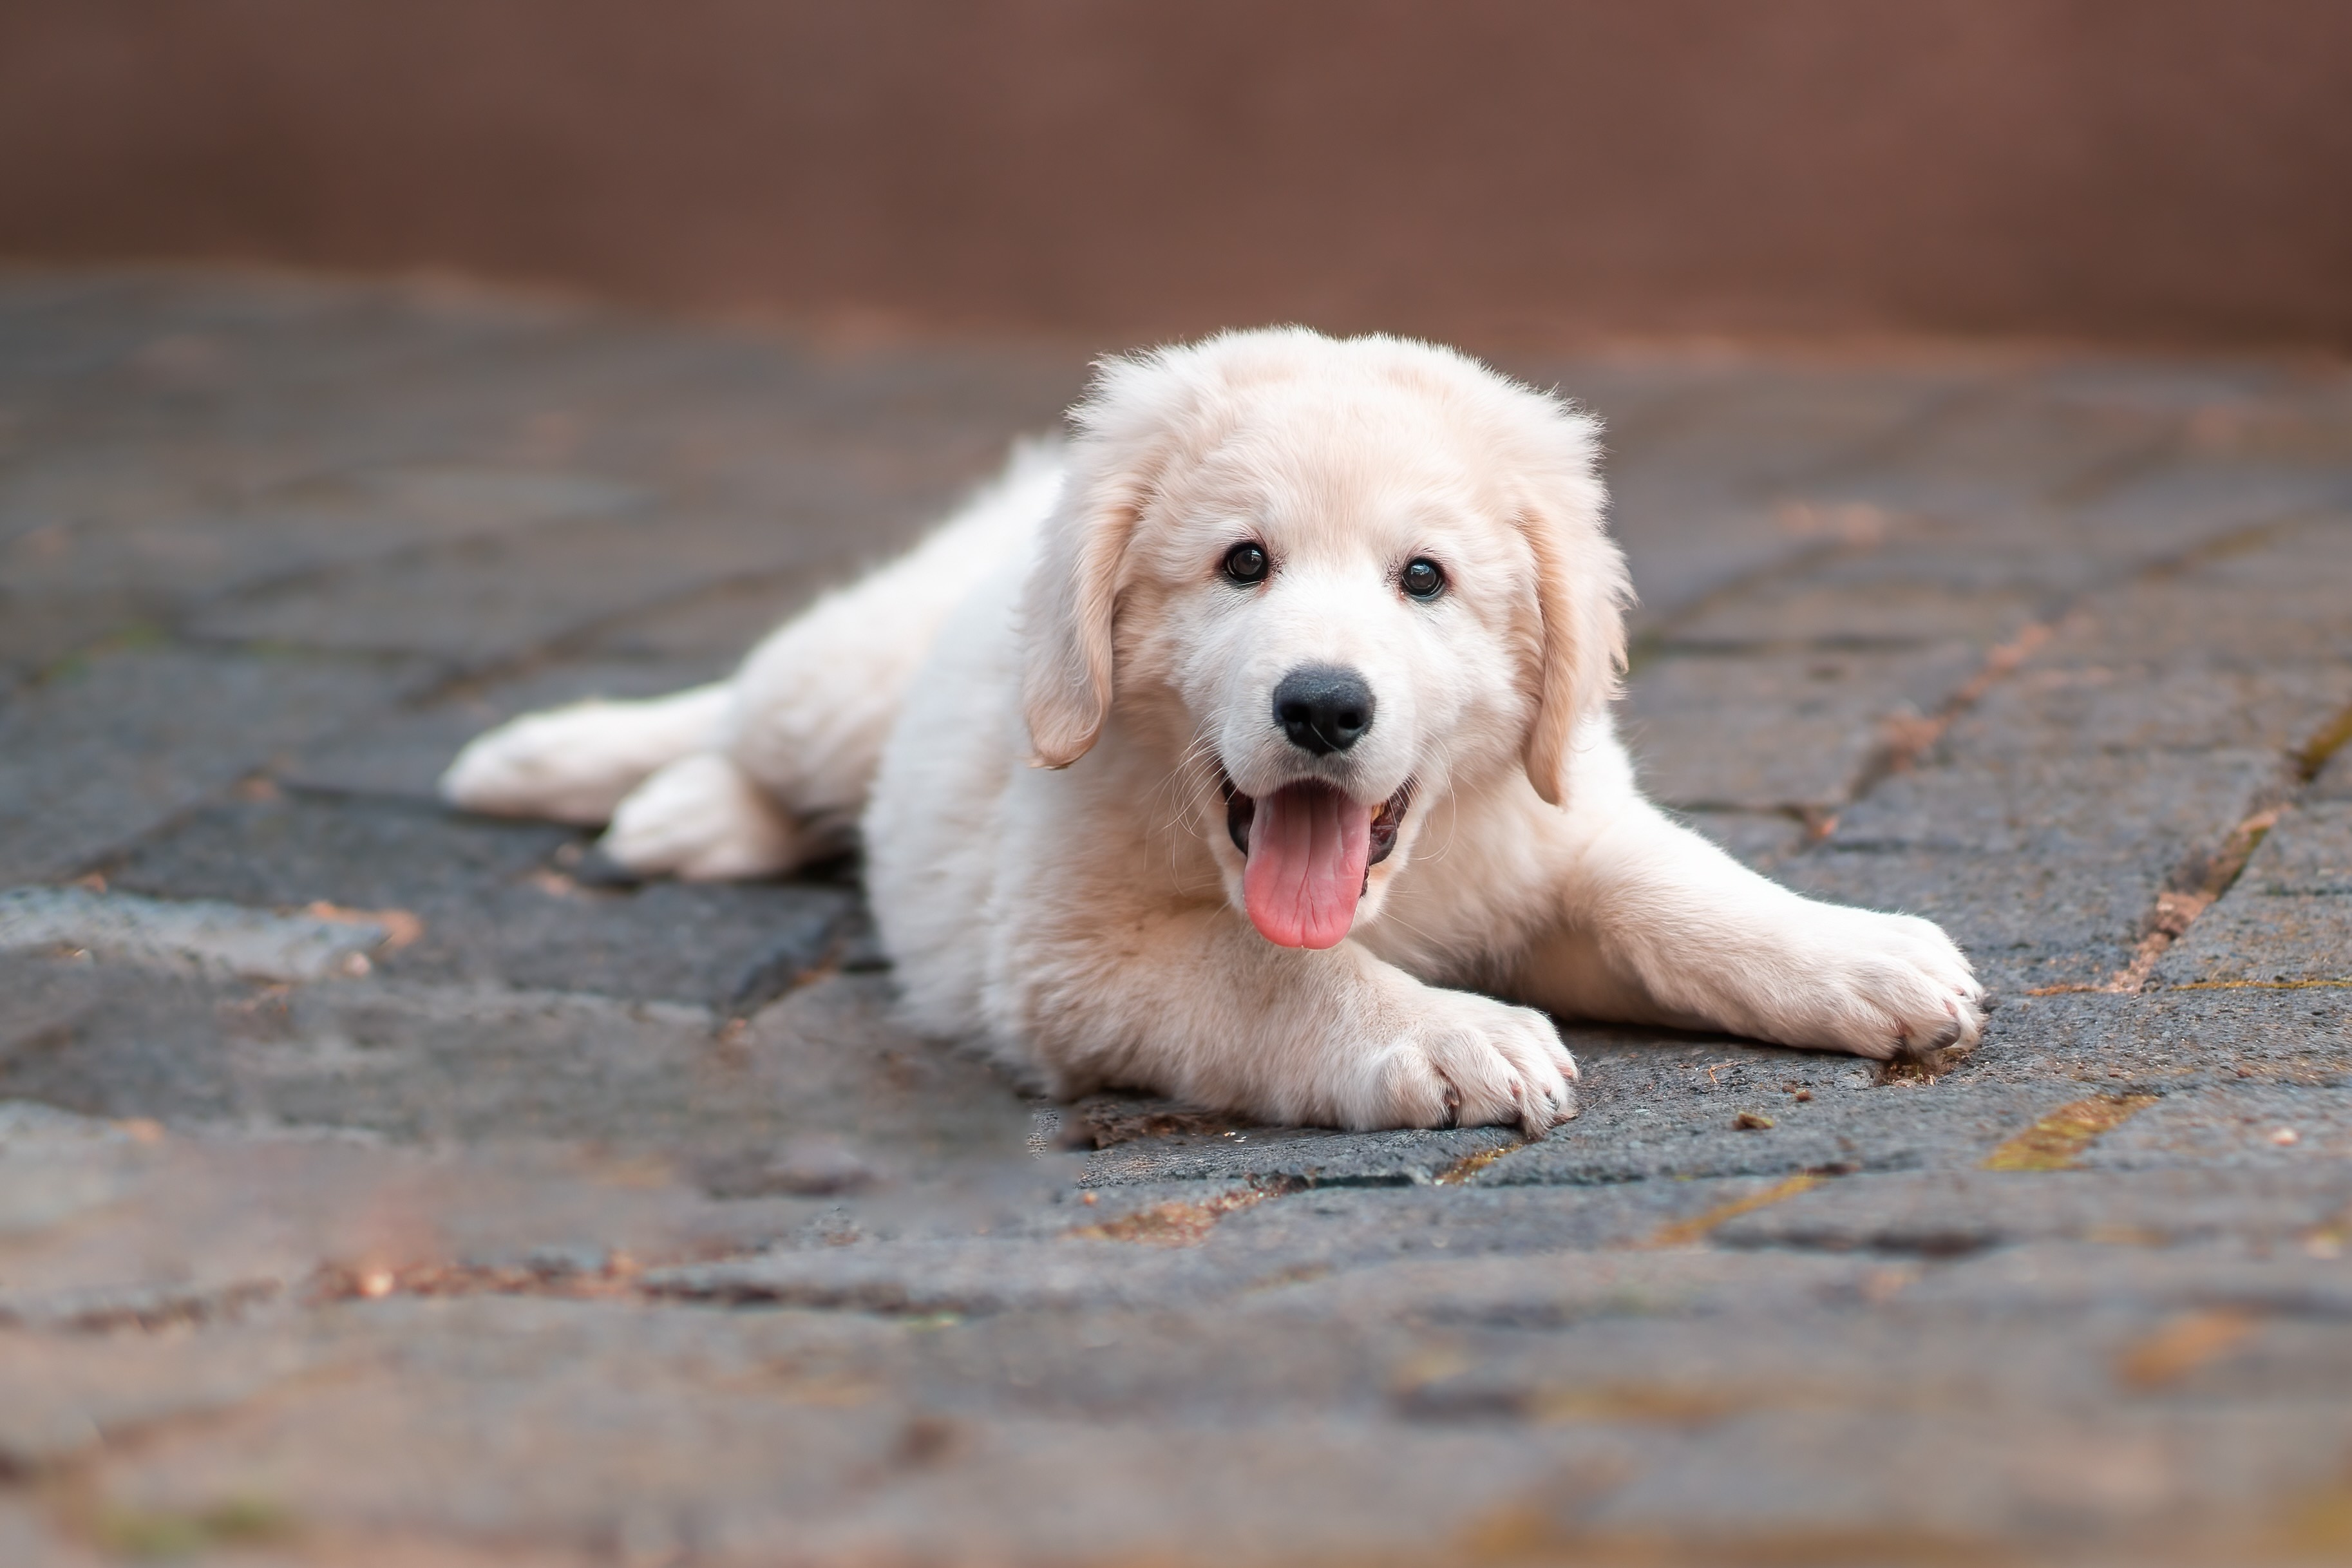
column 1332, row 579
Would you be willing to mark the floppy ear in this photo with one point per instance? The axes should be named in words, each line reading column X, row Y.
column 1068, row 609
column 1125, row 425
column 1581, row 595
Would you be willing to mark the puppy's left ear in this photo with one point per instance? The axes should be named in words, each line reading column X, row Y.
column 1581, row 594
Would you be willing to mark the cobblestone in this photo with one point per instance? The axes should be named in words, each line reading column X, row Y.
column 376, row 1184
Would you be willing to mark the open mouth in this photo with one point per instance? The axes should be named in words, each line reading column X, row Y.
column 1308, row 851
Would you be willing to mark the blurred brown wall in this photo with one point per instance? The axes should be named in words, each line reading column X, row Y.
column 2135, row 169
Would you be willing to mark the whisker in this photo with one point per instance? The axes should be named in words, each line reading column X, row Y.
column 1442, row 844
column 1169, row 802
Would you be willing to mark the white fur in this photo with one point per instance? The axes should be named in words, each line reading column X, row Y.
column 1034, row 709
column 576, row 764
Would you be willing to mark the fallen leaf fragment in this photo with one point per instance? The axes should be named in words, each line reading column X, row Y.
column 401, row 928
column 2181, row 1346
column 2058, row 1139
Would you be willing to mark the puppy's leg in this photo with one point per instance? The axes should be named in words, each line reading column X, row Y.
column 816, row 701
column 800, row 738
column 1657, row 925
column 575, row 764
column 1196, row 1005
column 703, row 819
column 753, row 776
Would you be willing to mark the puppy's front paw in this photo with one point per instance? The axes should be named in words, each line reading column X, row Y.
column 702, row 819
column 1469, row 1061
column 1887, row 985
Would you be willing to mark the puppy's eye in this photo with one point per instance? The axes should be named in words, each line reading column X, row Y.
column 1247, row 563
column 1422, row 578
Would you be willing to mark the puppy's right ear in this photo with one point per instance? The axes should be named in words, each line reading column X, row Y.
column 1071, row 601
column 1127, row 426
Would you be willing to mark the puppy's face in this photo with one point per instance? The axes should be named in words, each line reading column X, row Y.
column 1329, row 609
column 1346, row 623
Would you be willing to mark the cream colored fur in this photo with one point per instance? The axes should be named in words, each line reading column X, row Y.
column 1034, row 709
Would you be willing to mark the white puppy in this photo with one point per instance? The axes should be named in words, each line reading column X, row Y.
column 1234, row 752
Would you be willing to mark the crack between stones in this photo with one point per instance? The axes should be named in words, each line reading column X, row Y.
column 1184, row 1224
column 2205, row 878
column 150, row 1311
column 1461, row 1172
column 580, row 637
column 2088, row 484
column 1690, row 1232
column 1660, row 641
column 1936, row 412
column 1904, row 739
column 327, row 573
column 616, row 1278
column 2314, row 753
column 2057, row 1140
column 2177, row 908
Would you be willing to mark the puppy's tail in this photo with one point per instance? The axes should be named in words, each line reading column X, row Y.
column 575, row 764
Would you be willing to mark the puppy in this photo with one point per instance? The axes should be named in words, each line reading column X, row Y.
column 1248, row 750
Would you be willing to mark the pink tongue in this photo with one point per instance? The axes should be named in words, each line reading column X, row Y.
column 1308, row 845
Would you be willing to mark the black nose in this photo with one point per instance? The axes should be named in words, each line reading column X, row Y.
column 1323, row 707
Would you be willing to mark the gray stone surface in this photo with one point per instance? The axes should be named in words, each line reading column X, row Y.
column 1670, row 1110
column 2166, row 1039
column 376, row 1185
column 1758, row 729
column 2288, row 920
column 1973, row 1211
column 109, row 748
column 220, row 939
column 493, row 901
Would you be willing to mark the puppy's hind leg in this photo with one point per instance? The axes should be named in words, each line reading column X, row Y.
column 576, row 764
column 704, row 819
column 770, row 768
column 816, row 699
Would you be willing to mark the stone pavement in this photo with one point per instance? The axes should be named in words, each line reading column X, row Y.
column 375, row 1189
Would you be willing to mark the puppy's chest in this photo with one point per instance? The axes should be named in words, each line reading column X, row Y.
column 1448, row 929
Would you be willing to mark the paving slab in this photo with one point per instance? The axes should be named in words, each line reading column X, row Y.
column 1314, row 1155
column 2287, row 920
column 2255, row 1124
column 491, row 902
column 475, row 604
column 1961, row 1212
column 1871, row 598
column 202, row 544
column 2172, row 1040
column 420, row 1062
column 1663, row 1108
column 224, row 939
column 1761, row 729
column 2017, row 442
column 118, row 743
